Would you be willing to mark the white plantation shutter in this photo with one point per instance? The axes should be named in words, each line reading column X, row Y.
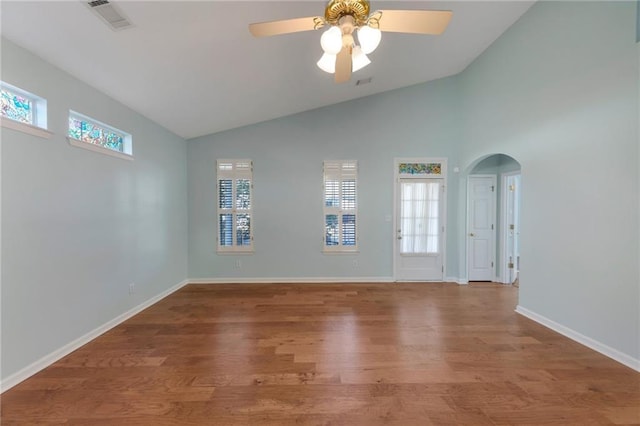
column 340, row 205
column 235, row 205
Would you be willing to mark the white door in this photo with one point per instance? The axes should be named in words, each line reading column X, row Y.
column 419, row 230
column 512, row 226
column 481, row 234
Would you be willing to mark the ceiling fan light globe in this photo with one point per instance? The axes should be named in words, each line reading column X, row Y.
column 369, row 38
column 331, row 41
column 360, row 60
column 327, row 63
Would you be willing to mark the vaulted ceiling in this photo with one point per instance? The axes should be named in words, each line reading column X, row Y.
column 194, row 68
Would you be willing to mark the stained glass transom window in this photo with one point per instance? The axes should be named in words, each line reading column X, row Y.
column 420, row 168
column 16, row 106
column 23, row 111
column 85, row 130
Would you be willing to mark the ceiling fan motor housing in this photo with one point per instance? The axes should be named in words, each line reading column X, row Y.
column 336, row 9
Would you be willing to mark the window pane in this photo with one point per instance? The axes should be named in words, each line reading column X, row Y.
column 331, row 230
column 349, row 194
column 419, row 217
column 349, row 230
column 16, row 107
column 243, row 194
column 225, row 193
column 226, row 229
column 332, row 193
column 92, row 133
column 75, row 128
column 243, row 230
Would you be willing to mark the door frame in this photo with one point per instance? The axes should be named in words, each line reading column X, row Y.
column 466, row 227
column 443, row 223
column 504, row 279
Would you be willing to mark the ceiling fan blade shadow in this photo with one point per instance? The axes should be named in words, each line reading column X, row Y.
column 287, row 26
column 343, row 65
column 414, row 21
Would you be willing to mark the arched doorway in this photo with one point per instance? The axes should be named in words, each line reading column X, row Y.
column 493, row 219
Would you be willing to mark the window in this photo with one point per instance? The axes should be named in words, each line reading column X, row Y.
column 419, row 216
column 340, row 206
column 23, row 111
column 235, row 207
column 88, row 133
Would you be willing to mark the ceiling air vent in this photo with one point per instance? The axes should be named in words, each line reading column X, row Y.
column 109, row 14
column 364, row 81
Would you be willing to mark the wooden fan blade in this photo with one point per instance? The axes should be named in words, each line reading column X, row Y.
column 264, row 29
column 343, row 65
column 415, row 21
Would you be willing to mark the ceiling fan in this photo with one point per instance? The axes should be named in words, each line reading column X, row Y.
column 342, row 55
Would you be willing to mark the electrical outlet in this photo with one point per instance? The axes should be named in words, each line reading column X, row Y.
column 132, row 288
column 238, row 264
column 355, row 263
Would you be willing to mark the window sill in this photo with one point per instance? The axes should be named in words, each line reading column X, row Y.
column 25, row 128
column 355, row 251
column 233, row 253
column 99, row 149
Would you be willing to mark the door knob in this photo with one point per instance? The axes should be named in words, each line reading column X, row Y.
column 472, row 234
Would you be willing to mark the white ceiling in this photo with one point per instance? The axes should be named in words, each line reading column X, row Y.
column 193, row 67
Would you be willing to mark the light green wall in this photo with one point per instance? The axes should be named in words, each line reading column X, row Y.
column 419, row 121
column 78, row 226
column 558, row 92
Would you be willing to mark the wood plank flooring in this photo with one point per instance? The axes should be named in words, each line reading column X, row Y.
column 330, row 354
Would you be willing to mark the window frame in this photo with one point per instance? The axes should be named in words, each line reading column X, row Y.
column 127, row 139
column 340, row 171
column 234, row 170
column 38, row 124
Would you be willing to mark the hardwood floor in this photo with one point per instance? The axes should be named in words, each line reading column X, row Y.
column 330, row 354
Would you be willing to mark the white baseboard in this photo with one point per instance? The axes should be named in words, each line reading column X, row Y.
column 456, row 280
column 608, row 351
column 286, row 280
column 54, row 356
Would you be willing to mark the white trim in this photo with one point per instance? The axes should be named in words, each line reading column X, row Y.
column 502, row 252
column 606, row 350
column 460, row 281
column 65, row 350
column 288, row 280
column 29, row 129
column 99, row 149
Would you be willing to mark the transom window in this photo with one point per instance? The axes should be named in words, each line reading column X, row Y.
column 340, row 206
column 235, row 207
column 16, row 106
column 22, row 107
column 97, row 134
